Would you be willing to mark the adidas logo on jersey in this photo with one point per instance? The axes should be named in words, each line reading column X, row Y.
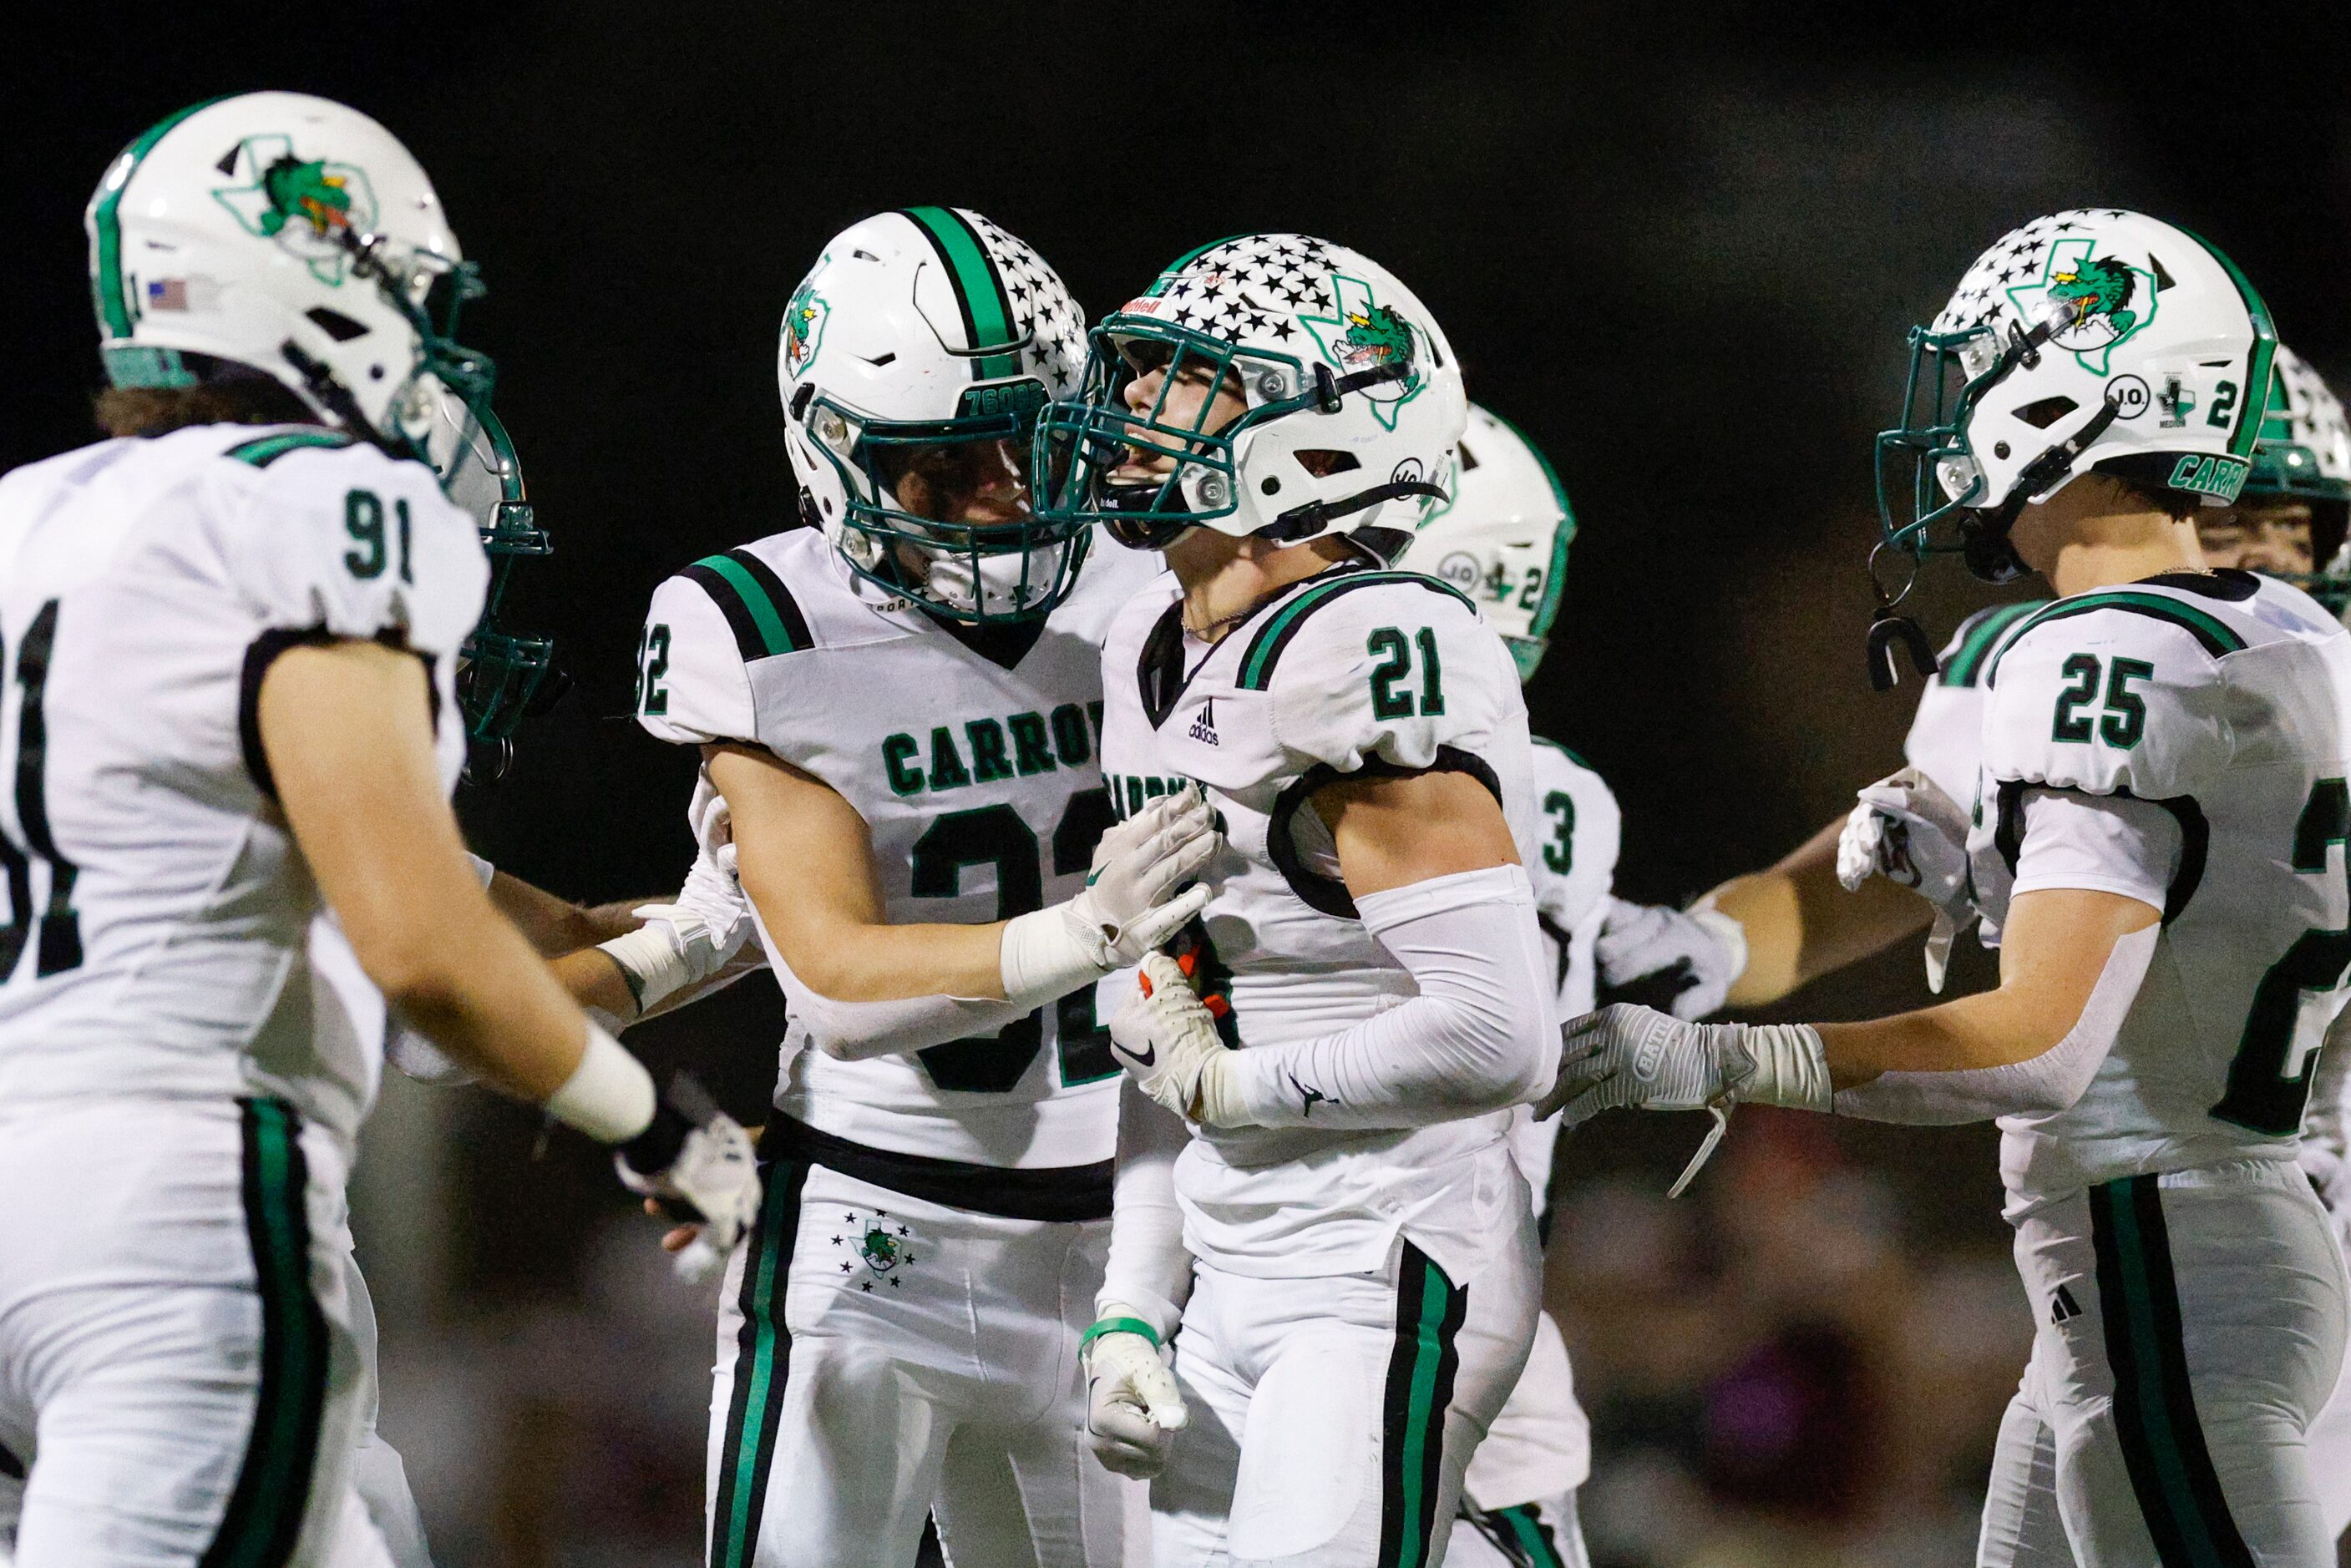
column 1204, row 727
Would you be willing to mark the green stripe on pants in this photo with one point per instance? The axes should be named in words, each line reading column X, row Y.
column 763, row 1356
column 263, row 1521
column 2171, row 1469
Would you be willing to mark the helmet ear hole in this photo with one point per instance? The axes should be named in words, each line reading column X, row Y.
column 1322, row 462
column 2047, row 411
column 335, row 324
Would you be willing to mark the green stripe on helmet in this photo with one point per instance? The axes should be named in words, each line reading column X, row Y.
column 1555, row 577
column 2255, row 405
column 980, row 289
column 115, row 311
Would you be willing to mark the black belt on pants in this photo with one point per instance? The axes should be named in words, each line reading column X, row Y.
column 1062, row 1193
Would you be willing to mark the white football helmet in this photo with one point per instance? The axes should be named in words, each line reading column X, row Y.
column 2091, row 339
column 2304, row 455
column 1503, row 539
column 287, row 235
column 926, row 341
column 1353, row 402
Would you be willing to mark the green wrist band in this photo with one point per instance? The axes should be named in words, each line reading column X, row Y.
column 1119, row 1325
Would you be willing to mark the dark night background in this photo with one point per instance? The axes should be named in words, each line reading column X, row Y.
column 1677, row 243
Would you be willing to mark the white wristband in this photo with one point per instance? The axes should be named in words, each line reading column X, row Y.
column 651, row 966
column 1726, row 930
column 1792, row 1067
column 1044, row 956
column 609, row 1096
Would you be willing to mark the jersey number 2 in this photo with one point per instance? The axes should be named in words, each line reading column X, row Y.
column 2269, row 1078
column 996, row 835
column 60, row 943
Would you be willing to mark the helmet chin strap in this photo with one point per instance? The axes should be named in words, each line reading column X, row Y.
column 333, row 398
column 1985, row 543
column 1308, row 521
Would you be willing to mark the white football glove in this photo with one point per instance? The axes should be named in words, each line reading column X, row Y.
column 1625, row 1056
column 692, row 937
column 709, row 1176
column 1142, row 888
column 1133, row 1409
column 1906, row 830
column 1684, row 961
column 1165, row 1038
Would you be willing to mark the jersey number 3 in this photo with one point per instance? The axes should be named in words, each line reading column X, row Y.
column 59, row 948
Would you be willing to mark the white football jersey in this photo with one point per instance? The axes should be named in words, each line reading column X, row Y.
column 159, row 905
column 982, row 788
column 1352, row 670
column 1573, row 874
column 2225, row 699
column 1946, row 738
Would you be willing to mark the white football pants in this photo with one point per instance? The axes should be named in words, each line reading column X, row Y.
column 1332, row 1417
column 2189, row 1328
column 882, row 1358
column 177, row 1362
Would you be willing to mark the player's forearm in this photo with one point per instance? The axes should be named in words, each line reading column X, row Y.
column 1149, row 1271
column 864, row 961
column 1479, row 1037
column 474, row 987
column 1801, row 924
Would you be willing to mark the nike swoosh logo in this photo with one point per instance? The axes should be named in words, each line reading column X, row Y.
column 1146, row 1057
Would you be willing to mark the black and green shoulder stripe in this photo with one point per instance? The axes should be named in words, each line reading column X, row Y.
column 761, row 609
column 1282, row 628
column 1982, row 636
column 263, row 450
column 2212, row 634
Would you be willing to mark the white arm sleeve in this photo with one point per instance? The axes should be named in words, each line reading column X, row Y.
column 1478, row 1037
column 1149, row 1269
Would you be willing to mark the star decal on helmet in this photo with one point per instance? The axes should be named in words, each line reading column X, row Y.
column 305, row 205
column 2098, row 301
column 803, row 327
column 1365, row 334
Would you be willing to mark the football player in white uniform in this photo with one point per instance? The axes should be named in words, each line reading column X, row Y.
column 2158, row 851
column 1356, row 1245
column 1503, row 539
column 1793, row 924
column 901, row 706
column 229, row 635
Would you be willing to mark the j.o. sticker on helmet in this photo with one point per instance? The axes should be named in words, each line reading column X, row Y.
column 2097, row 301
column 803, row 327
column 1366, row 335
column 305, row 205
